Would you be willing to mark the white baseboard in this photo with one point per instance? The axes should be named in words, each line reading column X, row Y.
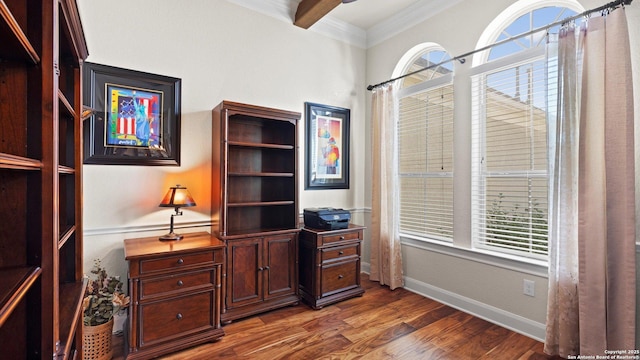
column 517, row 323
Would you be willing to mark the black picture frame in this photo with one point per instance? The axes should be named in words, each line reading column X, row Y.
column 146, row 128
column 326, row 147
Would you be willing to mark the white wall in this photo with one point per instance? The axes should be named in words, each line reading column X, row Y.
column 492, row 290
column 221, row 51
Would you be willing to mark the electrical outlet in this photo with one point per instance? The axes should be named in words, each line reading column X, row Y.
column 529, row 287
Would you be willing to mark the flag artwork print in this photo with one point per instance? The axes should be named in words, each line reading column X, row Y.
column 134, row 117
column 328, row 150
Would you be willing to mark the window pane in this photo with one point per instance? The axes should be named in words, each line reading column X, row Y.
column 509, row 194
column 426, row 207
column 526, row 23
column 516, row 214
column 515, row 128
column 427, row 59
column 425, row 153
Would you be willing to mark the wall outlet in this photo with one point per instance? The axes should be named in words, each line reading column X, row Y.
column 529, row 287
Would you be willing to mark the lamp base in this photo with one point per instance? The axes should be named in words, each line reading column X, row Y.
column 170, row 237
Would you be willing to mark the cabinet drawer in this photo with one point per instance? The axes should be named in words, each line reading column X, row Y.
column 175, row 283
column 340, row 252
column 339, row 277
column 354, row 235
column 177, row 317
column 177, row 262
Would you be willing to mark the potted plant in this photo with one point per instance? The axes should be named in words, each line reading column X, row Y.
column 103, row 298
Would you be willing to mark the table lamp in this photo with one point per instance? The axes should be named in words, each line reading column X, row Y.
column 176, row 197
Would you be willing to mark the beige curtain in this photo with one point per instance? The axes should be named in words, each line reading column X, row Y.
column 386, row 257
column 592, row 278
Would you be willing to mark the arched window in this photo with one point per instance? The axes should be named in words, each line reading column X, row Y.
column 513, row 85
column 425, row 144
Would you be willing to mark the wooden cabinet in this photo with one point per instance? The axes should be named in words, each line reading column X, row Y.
column 255, row 205
column 175, row 290
column 42, row 48
column 330, row 265
column 261, row 274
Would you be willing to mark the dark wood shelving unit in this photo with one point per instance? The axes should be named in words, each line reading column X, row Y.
column 255, row 206
column 14, row 284
column 41, row 277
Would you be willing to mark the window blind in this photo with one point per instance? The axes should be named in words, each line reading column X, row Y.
column 510, row 156
column 425, row 141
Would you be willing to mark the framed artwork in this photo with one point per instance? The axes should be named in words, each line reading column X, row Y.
column 327, row 147
column 135, row 117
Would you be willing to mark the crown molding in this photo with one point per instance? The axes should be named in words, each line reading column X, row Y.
column 342, row 31
column 405, row 19
column 327, row 26
column 350, row 34
column 278, row 9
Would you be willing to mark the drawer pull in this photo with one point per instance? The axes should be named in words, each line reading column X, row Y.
column 266, row 268
column 180, row 261
column 340, row 252
column 340, row 276
column 341, row 237
column 179, row 316
column 180, row 283
column 260, row 269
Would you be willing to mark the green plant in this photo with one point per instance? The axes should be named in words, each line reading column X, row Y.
column 103, row 297
column 520, row 227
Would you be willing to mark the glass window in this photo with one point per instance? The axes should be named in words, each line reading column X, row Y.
column 425, row 142
column 526, row 23
column 511, row 113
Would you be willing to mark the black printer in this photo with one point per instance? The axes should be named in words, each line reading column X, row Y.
column 326, row 218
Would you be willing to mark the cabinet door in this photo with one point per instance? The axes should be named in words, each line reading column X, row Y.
column 244, row 272
column 280, row 265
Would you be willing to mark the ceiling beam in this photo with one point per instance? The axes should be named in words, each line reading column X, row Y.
column 310, row 11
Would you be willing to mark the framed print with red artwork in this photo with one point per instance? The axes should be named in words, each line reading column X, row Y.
column 327, row 147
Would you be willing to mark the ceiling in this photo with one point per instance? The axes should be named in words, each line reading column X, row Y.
column 364, row 14
column 363, row 23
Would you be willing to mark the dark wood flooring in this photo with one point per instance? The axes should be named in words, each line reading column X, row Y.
column 382, row 324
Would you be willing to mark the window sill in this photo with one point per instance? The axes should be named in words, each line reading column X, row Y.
column 527, row 266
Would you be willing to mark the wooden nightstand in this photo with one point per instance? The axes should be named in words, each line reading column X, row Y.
column 175, row 293
column 330, row 265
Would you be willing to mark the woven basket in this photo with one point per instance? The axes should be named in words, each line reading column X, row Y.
column 96, row 341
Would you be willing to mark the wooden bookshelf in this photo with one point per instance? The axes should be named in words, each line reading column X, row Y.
column 41, row 284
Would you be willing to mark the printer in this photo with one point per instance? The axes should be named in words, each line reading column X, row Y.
column 326, row 218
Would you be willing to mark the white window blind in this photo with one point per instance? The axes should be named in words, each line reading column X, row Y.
column 425, row 138
column 510, row 155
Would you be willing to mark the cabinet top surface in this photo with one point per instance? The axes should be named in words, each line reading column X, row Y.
column 351, row 227
column 151, row 246
column 257, row 110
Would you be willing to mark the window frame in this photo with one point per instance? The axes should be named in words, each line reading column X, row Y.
column 482, row 68
column 462, row 245
column 478, row 78
column 431, row 84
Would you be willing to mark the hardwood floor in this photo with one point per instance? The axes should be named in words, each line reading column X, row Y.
column 382, row 324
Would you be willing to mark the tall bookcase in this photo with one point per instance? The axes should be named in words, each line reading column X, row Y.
column 41, row 284
column 255, row 206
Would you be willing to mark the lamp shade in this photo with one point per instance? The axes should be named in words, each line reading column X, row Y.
column 177, row 197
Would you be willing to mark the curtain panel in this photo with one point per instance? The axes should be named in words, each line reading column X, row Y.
column 592, row 272
column 386, row 255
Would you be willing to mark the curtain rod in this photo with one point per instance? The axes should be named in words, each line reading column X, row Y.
column 461, row 58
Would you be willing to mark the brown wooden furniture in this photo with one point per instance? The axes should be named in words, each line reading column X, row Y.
column 175, row 290
column 255, row 207
column 42, row 48
column 330, row 265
